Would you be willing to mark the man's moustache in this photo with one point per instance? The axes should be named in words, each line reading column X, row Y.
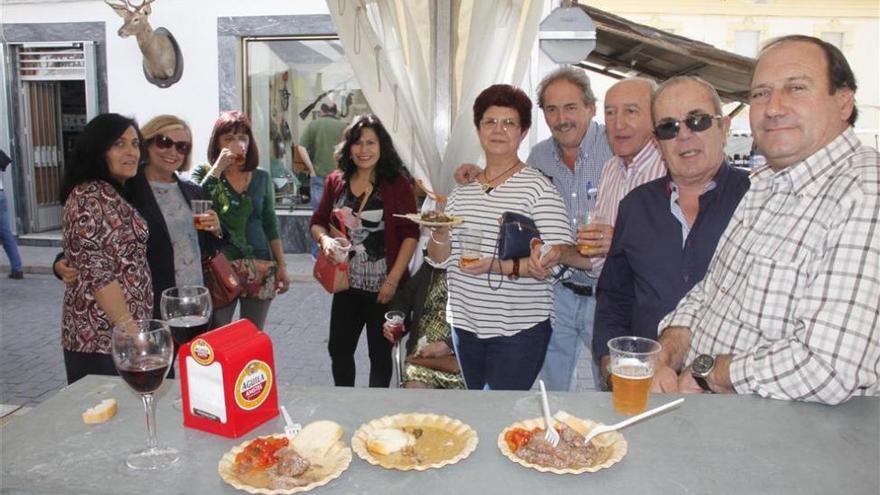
column 564, row 126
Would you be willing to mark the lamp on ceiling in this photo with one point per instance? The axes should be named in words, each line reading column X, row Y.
column 567, row 35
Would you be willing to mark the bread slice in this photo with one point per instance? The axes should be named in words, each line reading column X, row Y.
column 316, row 438
column 385, row 441
column 100, row 413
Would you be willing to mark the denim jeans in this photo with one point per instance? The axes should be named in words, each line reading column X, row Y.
column 6, row 236
column 316, row 190
column 502, row 363
column 572, row 331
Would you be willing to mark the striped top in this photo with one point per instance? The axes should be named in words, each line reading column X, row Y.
column 618, row 180
column 573, row 185
column 519, row 304
column 792, row 291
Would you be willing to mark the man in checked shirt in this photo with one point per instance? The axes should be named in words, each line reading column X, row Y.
column 790, row 305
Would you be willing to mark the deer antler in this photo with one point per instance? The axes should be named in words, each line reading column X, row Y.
column 141, row 6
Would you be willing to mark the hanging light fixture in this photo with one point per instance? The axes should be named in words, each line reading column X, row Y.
column 567, row 35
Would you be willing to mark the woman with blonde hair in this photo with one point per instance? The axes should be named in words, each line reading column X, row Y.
column 174, row 246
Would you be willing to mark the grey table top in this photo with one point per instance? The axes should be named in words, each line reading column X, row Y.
column 712, row 444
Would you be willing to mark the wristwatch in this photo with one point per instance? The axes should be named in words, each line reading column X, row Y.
column 700, row 369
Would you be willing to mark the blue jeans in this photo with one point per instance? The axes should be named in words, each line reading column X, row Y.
column 572, row 331
column 316, row 190
column 6, row 236
column 502, row 363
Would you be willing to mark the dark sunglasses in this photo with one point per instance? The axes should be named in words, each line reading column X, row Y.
column 699, row 122
column 165, row 142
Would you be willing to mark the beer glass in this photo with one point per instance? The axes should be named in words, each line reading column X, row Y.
column 585, row 219
column 632, row 369
column 341, row 248
column 471, row 240
column 200, row 208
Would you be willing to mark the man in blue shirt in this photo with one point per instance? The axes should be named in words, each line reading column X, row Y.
column 667, row 229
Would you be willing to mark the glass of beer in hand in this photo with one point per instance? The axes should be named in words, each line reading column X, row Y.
column 200, row 209
column 632, row 369
column 470, row 246
column 586, row 221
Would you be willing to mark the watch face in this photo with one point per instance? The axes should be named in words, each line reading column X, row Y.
column 703, row 364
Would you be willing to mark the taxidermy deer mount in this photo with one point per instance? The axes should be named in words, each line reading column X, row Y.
column 163, row 61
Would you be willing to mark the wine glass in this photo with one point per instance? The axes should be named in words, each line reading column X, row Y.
column 142, row 354
column 186, row 310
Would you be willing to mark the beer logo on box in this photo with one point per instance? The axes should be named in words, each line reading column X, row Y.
column 253, row 385
column 202, row 352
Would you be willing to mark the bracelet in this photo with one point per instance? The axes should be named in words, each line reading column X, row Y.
column 438, row 242
column 389, row 282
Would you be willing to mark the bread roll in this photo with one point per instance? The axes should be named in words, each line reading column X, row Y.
column 386, row 441
column 100, row 413
column 316, row 438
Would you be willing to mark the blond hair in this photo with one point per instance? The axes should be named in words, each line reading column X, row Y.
column 164, row 123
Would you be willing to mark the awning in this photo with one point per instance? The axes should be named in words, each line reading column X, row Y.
column 624, row 47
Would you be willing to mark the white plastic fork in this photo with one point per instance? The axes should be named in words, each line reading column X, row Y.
column 550, row 435
column 290, row 428
column 638, row 417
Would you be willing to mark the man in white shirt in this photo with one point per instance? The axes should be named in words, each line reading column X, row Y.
column 789, row 307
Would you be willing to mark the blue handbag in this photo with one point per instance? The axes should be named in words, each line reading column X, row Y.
column 515, row 236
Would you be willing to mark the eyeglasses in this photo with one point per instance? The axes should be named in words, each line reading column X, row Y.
column 164, row 142
column 699, row 122
column 492, row 124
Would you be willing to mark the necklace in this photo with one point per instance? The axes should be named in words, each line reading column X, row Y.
column 488, row 184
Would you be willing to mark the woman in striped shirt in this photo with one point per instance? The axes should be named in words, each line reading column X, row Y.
column 500, row 335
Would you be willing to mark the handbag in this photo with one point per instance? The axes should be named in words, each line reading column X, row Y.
column 257, row 277
column 448, row 364
column 331, row 275
column 514, row 240
column 221, row 279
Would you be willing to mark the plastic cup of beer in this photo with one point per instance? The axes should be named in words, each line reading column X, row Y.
column 394, row 322
column 471, row 240
column 633, row 360
column 341, row 247
column 585, row 220
column 200, row 208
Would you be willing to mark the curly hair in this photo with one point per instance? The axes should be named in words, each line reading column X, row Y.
column 229, row 122
column 504, row 95
column 89, row 160
column 389, row 166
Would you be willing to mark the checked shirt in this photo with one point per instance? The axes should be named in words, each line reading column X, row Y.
column 793, row 291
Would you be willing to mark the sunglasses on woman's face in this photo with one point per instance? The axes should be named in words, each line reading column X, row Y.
column 164, row 142
column 698, row 122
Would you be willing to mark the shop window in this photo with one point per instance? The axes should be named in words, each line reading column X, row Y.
column 287, row 82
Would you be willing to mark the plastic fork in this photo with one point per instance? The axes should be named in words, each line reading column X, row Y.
column 290, row 428
column 550, row 435
column 431, row 194
column 638, row 417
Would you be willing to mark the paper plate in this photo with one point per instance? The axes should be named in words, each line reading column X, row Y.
column 417, row 218
column 323, row 469
column 465, row 439
column 613, row 444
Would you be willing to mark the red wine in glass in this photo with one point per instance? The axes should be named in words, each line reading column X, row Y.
column 144, row 374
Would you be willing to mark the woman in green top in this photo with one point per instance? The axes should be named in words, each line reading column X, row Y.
column 244, row 198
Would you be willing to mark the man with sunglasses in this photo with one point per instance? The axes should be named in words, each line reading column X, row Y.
column 790, row 308
column 667, row 229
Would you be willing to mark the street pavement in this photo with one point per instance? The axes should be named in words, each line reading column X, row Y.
column 31, row 362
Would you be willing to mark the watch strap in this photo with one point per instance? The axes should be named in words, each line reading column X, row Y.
column 703, row 383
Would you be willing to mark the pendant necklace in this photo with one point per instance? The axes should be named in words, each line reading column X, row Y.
column 487, row 187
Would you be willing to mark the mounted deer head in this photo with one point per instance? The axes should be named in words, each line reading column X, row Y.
column 163, row 62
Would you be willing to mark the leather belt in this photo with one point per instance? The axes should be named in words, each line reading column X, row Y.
column 581, row 290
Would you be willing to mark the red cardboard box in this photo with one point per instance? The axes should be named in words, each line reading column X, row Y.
column 227, row 380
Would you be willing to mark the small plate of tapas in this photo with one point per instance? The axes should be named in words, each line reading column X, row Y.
column 432, row 219
column 523, row 443
column 285, row 464
column 414, row 441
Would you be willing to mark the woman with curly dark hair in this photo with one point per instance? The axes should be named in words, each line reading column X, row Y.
column 369, row 188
